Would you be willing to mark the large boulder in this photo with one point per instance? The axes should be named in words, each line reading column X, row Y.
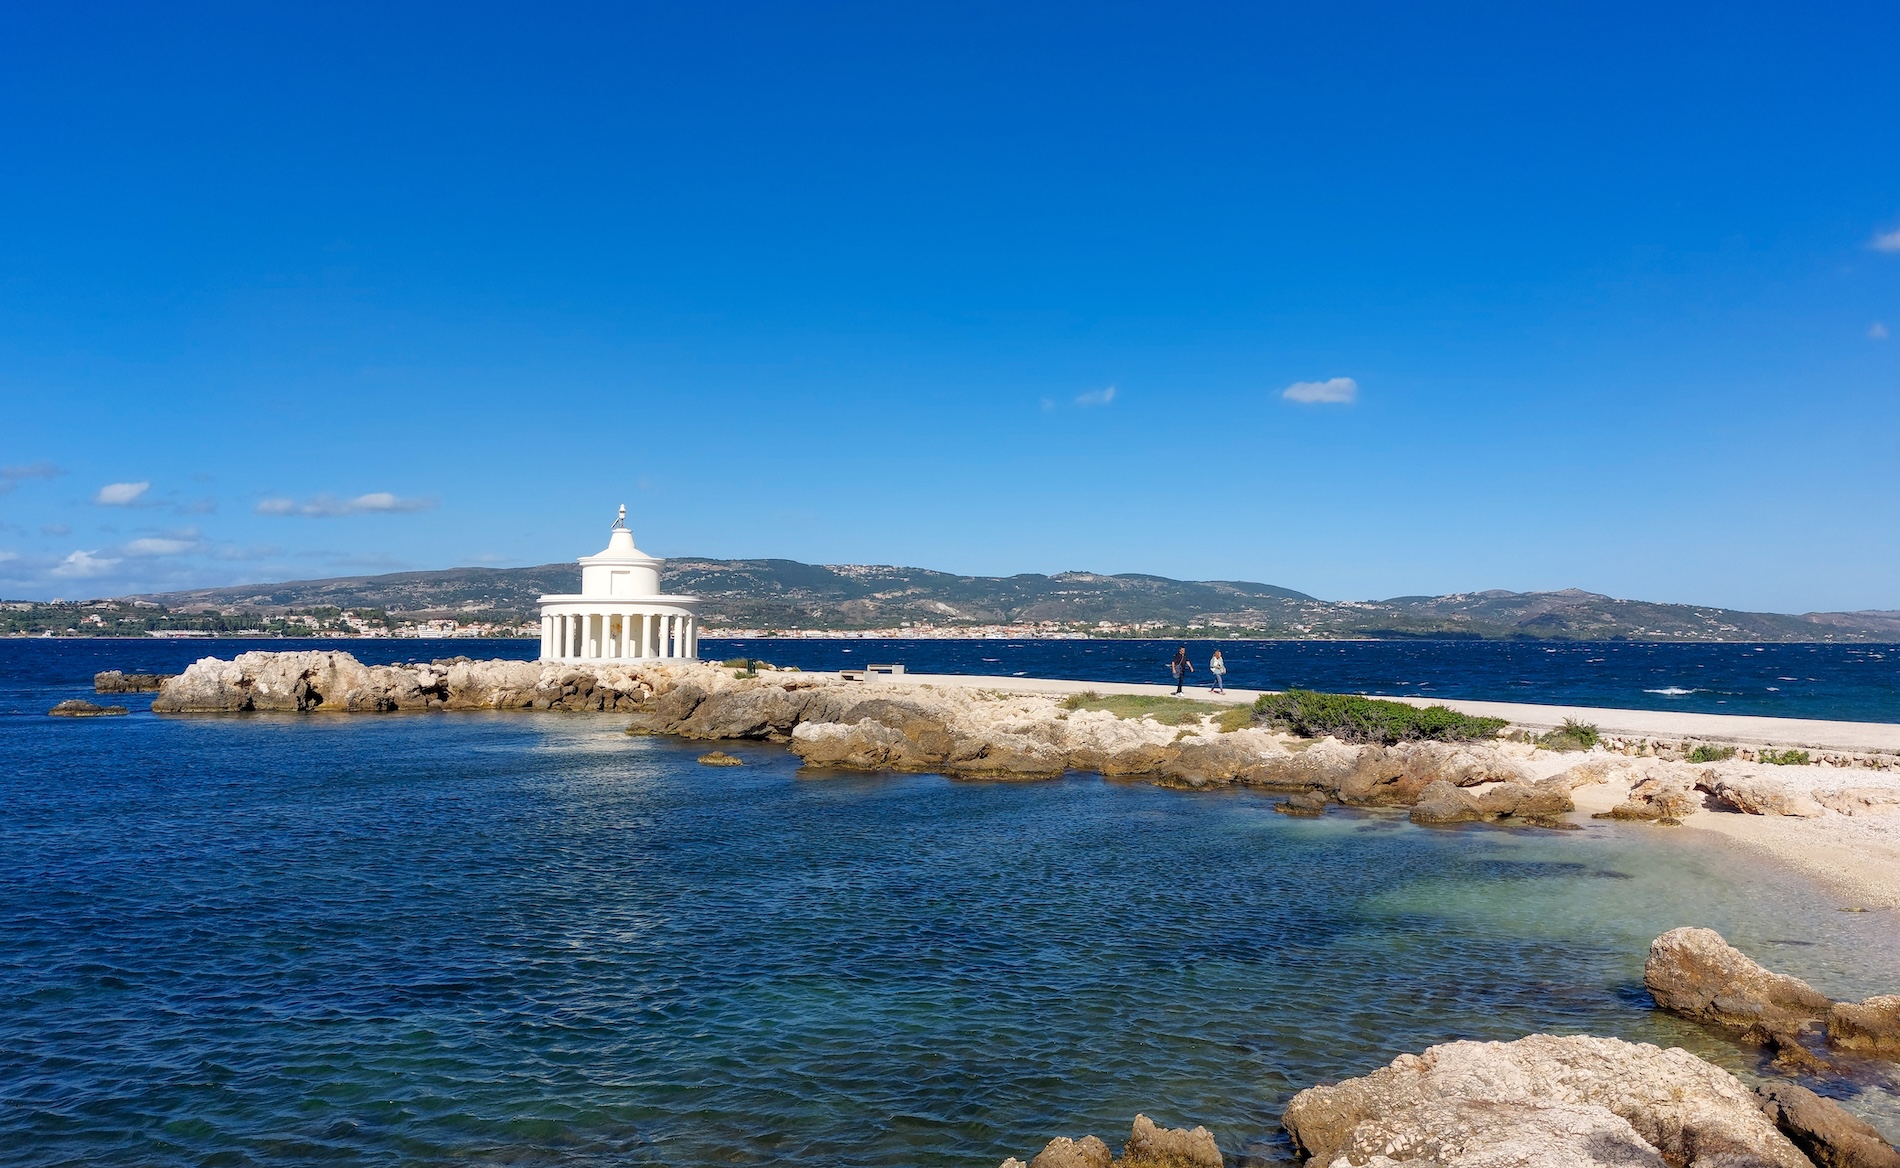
column 207, row 686
column 1540, row 1101
column 1440, row 804
column 1659, row 798
column 1695, row 973
column 1528, row 803
column 1759, row 795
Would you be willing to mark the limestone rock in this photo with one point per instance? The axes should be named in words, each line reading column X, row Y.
column 1823, row 1129
column 1540, row 1101
column 1756, row 795
column 335, row 682
column 79, row 708
column 1659, row 798
column 1441, row 803
column 1306, row 803
column 115, row 681
column 1859, row 800
column 1396, row 776
column 1695, row 973
column 1062, row 1152
column 719, row 758
column 1535, row 803
column 1871, row 1026
column 1169, row 1147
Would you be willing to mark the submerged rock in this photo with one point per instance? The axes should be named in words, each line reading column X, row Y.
column 719, row 758
column 79, row 708
column 1824, row 1130
column 1541, row 1101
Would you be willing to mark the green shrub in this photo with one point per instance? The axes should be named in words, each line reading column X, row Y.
column 1351, row 718
column 737, row 663
column 1572, row 735
column 1707, row 753
column 1785, row 757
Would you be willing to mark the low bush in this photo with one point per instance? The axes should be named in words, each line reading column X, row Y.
column 1707, row 753
column 737, row 663
column 1785, row 757
column 1572, row 735
column 1351, row 718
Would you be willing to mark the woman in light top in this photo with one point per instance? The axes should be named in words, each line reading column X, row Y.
column 1218, row 667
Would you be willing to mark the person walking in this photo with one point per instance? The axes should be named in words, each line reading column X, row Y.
column 1218, row 667
column 1181, row 667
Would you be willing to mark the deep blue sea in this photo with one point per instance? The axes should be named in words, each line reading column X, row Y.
column 1856, row 683
column 530, row 939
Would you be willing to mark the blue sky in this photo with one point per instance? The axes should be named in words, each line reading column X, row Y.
column 984, row 288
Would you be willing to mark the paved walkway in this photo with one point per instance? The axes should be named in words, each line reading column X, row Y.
column 1797, row 732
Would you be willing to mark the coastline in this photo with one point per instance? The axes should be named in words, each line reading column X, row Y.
column 1836, row 820
column 1799, row 733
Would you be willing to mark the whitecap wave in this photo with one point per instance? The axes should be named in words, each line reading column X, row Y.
column 1672, row 691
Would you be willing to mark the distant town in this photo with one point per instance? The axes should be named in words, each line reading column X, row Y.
column 144, row 618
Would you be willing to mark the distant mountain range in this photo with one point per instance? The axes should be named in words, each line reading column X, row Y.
column 787, row 595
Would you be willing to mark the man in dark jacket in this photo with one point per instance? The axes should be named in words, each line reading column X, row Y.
column 1181, row 667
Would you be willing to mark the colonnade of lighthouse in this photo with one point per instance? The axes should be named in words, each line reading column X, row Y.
column 619, row 613
column 589, row 636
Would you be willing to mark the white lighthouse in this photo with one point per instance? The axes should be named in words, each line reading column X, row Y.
column 619, row 614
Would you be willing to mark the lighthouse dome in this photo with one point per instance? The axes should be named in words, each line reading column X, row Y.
column 620, row 570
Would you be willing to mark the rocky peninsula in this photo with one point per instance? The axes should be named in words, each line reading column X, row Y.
column 1837, row 818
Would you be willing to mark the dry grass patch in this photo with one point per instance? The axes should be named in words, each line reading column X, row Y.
column 1168, row 711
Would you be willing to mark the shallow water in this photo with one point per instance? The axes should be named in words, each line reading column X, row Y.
column 474, row 938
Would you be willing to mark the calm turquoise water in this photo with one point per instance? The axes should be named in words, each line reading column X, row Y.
column 530, row 939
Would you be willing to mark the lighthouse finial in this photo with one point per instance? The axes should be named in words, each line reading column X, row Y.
column 622, row 521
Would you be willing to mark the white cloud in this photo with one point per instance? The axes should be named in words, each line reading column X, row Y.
column 120, row 494
column 10, row 476
column 1886, row 241
column 1877, row 332
column 1096, row 397
column 80, row 565
column 5, row 556
column 159, row 547
column 1334, row 391
column 376, row 502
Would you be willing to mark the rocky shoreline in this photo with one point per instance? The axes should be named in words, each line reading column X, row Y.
column 1583, row 1100
column 971, row 731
